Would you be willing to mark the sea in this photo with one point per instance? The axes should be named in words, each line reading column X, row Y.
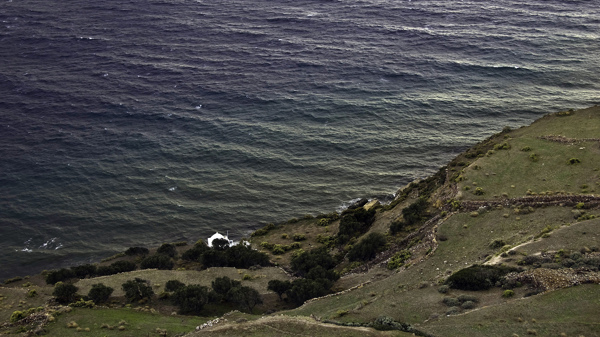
column 135, row 123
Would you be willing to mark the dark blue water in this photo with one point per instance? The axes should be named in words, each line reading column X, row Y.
column 140, row 122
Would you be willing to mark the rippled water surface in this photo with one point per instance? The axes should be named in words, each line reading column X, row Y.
column 140, row 122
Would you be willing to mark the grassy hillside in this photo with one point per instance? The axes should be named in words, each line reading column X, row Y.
column 501, row 242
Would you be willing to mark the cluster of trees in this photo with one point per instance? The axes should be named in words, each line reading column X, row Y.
column 221, row 255
column 354, row 222
column 316, row 268
column 191, row 299
column 66, row 293
column 88, row 270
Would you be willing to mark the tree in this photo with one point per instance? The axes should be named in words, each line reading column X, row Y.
column 214, row 258
column 137, row 251
column 245, row 297
column 65, row 292
column 305, row 289
column 222, row 285
column 173, row 285
column 137, row 289
column 158, row 261
column 190, row 299
column 100, row 293
column 220, row 244
column 59, row 275
column 167, row 249
column 84, row 270
column 368, row 247
column 280, row 287
column 242, row 256
column 305, row 261
column 195, row 252
column 123, row 266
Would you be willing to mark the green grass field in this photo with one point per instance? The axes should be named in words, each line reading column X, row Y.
column 135, row 323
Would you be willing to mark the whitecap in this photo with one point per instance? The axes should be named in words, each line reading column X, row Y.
column 27, row 250
column 172, row 188
column 199, row 107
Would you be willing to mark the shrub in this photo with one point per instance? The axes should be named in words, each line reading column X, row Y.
column 65, row 292
column 105, row 270
column 503, row 146
column 245, row 297
column 443, row 289
column 574, row 161
column 59, row 275
column 323, row 222
column 84, row 270
column 478, row 191
column 355, row 222
column 167, row 249
column 299, row 237
column 305, row 261
column 534, row 157
column 279, row 287
column 131, row 251
column 213, row 258
column 453, row 311
column 302, row 290
column 398, row 259
column 222, row 285
column 158, row 261
column 465, row 298
column 190, row 299
column 278, row 250
column 242, row 256
column 173, row 285
column 137, row 289
column 367, row 248
column 100, row 293
column 468, row 305
column 508, row 293
column 123, row 266
column 451, row 301
column 497, row 243
column 477, row 277
column 194, row 253
column 525, row 149
column 32, row 293
column 81, row 303
column 17, row 316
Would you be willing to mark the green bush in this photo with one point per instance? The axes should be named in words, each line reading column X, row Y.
column 173, row 285
column 477, row 277
column 443, row 289
column 534, row 157
column 508, row 293
column 123, row 266
column 412, row 215
column 158, row 261
column 574, row 161
column 99, row 293
column 355, row 222
column 478, row 191
column 302, row 290
column 84, row 270
column 245, row 297
column 398, row 259
column 137, row 289
column 190, row 299
column 368, row 247
column 65, row 292
column 105, row 270
column 222, row 285
column 279, row 287
column 167, row 249
column 59, row 275
column 525, row 149
column 194, row 253
column 299, row 237
column 305, row 261
column 132, row 251
column 451, row 301
column 468, row 305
